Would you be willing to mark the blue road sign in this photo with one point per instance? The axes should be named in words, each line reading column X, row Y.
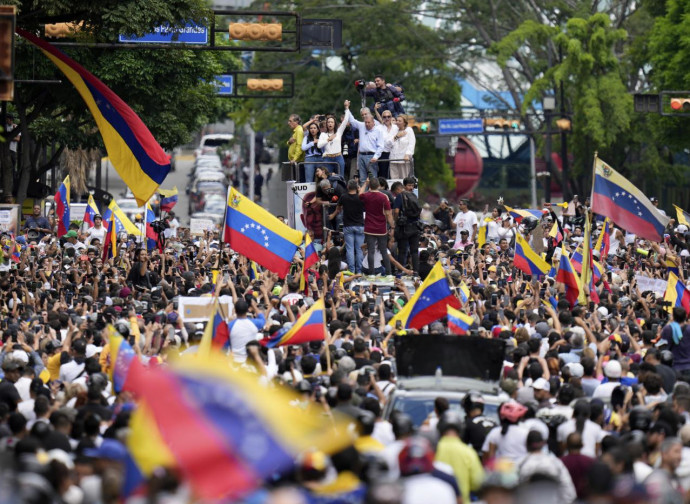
column 224, row 83
column 460, row 126
column 190, row 34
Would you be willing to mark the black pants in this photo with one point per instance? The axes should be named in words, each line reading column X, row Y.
column 383, row 165
column 410, row 243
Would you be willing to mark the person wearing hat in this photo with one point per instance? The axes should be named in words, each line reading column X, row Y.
column 463, row 242
column 465, row 220
column 545, row 465
column 655, row 202
column 72, row 241
column 96, row 232
column 613, row 371
column 9, row 394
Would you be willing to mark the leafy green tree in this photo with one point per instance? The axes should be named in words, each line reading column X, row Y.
column 171, row 90
column 591, row 73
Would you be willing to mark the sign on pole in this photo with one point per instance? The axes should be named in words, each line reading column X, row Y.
column 460, row 126
column 189, row 34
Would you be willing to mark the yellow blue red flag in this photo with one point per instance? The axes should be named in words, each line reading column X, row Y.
column 309, row 327
column 91, row 211
column 458, row 322
column 429, row 302
column 134, row 152
column 256, row 233
column 677, row 293
column 62, row 197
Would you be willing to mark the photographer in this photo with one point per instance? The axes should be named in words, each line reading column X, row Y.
column 389, row 96
column 407, row 210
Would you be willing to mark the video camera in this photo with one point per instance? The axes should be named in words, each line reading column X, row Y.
column 360, row 84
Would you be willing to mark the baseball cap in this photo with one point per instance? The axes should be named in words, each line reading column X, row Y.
column 541, row 384
column 109, row 449
column 71, row 234
column 613, row 369
column 492, row 268
column 682, row 228
column 576, row 369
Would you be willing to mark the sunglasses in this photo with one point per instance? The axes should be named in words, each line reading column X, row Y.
column 387, row 117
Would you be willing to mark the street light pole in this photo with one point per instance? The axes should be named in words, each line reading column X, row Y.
column 564, row 152
column 549, row 105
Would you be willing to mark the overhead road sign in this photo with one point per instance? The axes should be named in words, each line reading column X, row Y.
column 192, row 33
column 460, row 126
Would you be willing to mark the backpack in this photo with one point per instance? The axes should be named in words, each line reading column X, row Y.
column 337, row 181
column 411, row 208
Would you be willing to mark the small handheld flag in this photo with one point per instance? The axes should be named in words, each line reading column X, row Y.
column 91, row 211
column 309, row 327
column 527, row 260
column 168, row 198
column 458, row 322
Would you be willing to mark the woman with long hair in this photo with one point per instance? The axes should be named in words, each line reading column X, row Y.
column 313, row 155
column 509, row 439
column 402, row 149
column 330, row 144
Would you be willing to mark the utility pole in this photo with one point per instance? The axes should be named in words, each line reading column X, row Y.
column 564, row 151
column 549, row 105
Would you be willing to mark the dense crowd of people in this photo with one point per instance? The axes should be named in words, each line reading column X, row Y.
column 594, row 397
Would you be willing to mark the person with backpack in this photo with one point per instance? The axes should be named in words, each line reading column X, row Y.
column 406, row 211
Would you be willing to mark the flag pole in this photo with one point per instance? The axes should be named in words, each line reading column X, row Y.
column 326, row 340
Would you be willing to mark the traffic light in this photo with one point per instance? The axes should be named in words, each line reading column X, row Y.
column 7, row 24
column 563, row 124
column 680, row 104
column 265, row 84
column 62, row 30
column 498, row 123
column 256, row 31
column 420, row 126
column 514, row 124
column 424, row 127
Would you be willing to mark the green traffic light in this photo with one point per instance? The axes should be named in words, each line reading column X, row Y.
column 424, row 127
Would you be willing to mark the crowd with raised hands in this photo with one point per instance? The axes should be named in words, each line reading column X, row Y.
column 592, row 397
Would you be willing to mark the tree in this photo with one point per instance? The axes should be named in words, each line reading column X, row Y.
column 171, row 90
column 378, row 37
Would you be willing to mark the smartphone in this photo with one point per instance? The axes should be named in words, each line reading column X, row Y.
column 353, row 324
column 522, row 314
column 398, row 325
column 494, row 299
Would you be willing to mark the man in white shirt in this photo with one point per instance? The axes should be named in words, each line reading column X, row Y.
column 465, row 220
column 76, row 367
column 243, row 330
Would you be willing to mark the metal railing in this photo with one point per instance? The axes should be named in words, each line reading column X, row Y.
column 290, row 170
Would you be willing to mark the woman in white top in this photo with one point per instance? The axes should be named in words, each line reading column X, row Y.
column 509, row 440
column 389, row 129
column 506, row 230
column 403, row 144
column 330, row 144
column 590, row 432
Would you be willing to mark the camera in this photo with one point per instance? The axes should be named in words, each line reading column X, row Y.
column 322, row 118
column 360, row 84
column 159, row 226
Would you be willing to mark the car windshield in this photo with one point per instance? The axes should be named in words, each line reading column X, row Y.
column 215, row 142
column 211, row 187
column 419, row 408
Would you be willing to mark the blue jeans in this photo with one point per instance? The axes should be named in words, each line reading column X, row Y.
column 310, row 164
column 341, row 165
column 354, row 238
column 363, row 166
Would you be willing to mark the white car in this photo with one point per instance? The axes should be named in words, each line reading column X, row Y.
column 210, row 143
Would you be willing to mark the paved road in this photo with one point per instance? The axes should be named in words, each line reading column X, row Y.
column 274, row 197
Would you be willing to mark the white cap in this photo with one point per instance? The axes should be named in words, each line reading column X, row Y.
column 681, row 228
column 613, row 369
column 541, row 384
column 21, row 356
column 92, row 350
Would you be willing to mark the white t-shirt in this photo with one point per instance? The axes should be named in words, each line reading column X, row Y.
column 97, row 233
column 604, row 391
column 512, row 445
column 242, row 331
column 22, row 385
column 464, row 221
column 383, row 432
column 26, row 408
column 70, row 371
column 427, row 488
column 592, row 434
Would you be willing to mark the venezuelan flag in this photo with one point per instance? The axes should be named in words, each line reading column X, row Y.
column 145, row 443
column 527, row 260
column 225, row 432
column 520, row 213
column 168, row 199
column 122, row 222
column 16, row 253
column 253, row 271
column 124, row 363
column 310, row 259
column 429, row 302
column 135, row 154
column 677, row 293
column 151, row 236
column 309, row 327
column 567, row 276
column 481, row 234
column 556, row 234
column 216, row 333
column 62, row 207
column 671, row 266
column 458, row 322
column 614, row 196
column 256, row 233
column 110, row 241
column 464, row 292
column 604, row 240
column 91, row 211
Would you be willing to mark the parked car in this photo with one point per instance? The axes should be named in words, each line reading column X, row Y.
column 199, row 191
column 415, row 396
